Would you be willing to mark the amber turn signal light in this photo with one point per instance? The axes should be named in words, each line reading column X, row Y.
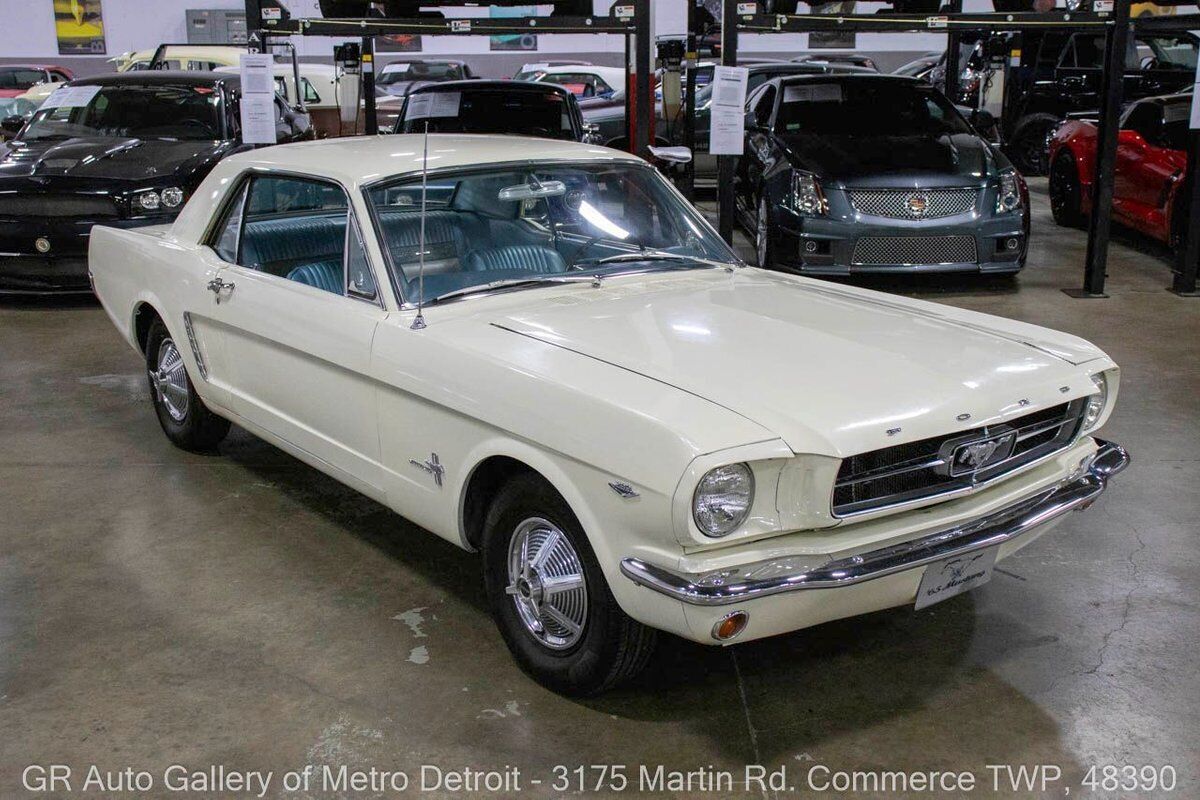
column 730, row 626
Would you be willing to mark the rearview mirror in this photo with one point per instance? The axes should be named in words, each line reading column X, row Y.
column 13, row 124
column 533, row 191
column 672, row 155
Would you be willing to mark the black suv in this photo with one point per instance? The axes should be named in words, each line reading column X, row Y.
column 1062, row 72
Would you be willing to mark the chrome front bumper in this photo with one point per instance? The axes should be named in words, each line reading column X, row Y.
column 765, row 578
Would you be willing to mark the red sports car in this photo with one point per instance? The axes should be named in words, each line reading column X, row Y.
column 1151, row 165
column 17, row 79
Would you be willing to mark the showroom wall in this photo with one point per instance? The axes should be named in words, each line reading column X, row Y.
column 28, row 34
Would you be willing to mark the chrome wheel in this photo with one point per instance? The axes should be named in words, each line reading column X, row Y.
column 547, row 584
column 170, row 381
column 761, row 234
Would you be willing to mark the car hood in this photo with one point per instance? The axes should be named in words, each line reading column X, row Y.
column 864, row 161
column 109, row 158
column 828, row 369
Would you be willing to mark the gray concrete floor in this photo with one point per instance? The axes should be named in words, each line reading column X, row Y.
column 162, row 608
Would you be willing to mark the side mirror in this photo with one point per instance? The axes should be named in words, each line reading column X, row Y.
column 752, row 123
column 12, row 124
column 982, row 120
column 672, row 155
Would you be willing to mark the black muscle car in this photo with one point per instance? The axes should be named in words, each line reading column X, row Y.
column 122, row 150
column 825, row 187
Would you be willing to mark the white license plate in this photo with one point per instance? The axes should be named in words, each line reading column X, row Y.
column 952, row 576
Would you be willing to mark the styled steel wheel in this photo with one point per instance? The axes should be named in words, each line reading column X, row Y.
column 182, row 414
column 170, row 381
column 547, row 584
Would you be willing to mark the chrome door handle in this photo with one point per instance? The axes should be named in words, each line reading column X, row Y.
column 216, row 286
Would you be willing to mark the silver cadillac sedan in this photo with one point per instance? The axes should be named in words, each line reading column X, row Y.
column 873, row 173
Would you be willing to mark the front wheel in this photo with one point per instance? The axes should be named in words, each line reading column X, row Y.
column 185, row 419
column 1066, row 194
column 549, row 597
column 344, row 9
column 763, row 242
column 1030, row 143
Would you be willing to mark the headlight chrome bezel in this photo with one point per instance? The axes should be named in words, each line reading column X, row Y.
column 157, row 201
column 730, row 475
column 1097, row 404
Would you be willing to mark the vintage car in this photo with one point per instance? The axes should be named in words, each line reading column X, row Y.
column 515, row 108
column 17, row 79
column 188, row 58
column 124, row 150
column 548, row 355
column 825, row 189
column 1150, row 172
column 401, row 77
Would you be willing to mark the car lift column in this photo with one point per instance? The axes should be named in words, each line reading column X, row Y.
column 727, row 164
column 691, row 58
column 367, row 82
column 645, row 106
column 1115, row 47
column 953, row 67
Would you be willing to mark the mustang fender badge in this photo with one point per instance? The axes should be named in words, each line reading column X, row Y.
column 433, row 466
column 623, row 489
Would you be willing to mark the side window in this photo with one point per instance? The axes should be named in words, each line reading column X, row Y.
column 295, row 228
column 229, row 233
column 310, row 92
column 359, row 280
column 766, row 104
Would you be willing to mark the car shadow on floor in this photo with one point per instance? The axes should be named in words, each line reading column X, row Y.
column 754, row 702
column 44, row 302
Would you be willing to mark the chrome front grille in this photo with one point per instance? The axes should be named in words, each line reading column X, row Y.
column 913, row 203
column 919, row 470
column 58, row 206
column 914, row 250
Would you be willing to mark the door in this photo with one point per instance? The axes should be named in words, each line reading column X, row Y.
column 297, row 306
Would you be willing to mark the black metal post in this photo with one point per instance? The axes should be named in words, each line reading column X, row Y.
column 953, row 67
column 367, row 81
column 644, row 106
column 254, row 24
column 1116, row 42
column 691, row 58
column 726, row 165
column 1188, row 261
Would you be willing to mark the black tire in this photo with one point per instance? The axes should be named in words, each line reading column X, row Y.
column 401, row 9
column 1012, row 6
column 573, row 8
column 764, row 242
column 189, row 425
column 1027, row 147
column 1066, row 192
column 344, row 9
column 609, row 648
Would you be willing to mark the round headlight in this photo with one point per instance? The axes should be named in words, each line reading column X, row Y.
column 1096, row 403
column 172, row 196
column 149, row 201
column 722, row 500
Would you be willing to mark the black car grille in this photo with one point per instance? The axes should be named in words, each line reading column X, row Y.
column 910, row 204
column 919, row 470
column 58, row 205
column 917, row 250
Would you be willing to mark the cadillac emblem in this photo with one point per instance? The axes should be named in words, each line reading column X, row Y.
column 917, row 205
column 42, row 244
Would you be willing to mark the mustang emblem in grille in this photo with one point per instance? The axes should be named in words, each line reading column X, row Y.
column 917, row 205
column 978, row 453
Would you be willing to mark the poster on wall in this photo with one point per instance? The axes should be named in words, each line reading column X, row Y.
column 398, row 43
column 79, row 26
column 519, row 41
column 824, row 40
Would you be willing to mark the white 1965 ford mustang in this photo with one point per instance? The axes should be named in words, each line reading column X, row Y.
column 637, row 431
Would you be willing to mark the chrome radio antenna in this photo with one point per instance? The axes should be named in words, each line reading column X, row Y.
column 419, row 322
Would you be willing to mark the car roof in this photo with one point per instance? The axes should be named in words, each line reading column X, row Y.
column 358, row 160
column 160, row 77
column 31, row 66
column 492, row 85
column 848, row 77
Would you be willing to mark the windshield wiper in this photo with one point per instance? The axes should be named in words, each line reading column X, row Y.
column 655, row 255
column 510, row 283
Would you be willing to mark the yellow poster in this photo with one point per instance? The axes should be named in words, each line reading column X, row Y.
column 80, row 27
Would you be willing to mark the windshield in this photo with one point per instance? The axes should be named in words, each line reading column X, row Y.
column 421, row 71
column 16, row 107
column 522, row 113
column 130, row 111
column 853, row 108
column 20, row 77
column 538, row 223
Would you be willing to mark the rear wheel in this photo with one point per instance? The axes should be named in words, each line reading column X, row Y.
column 1029, row 145
column 185, row 419
column 917, row 6
column 1066, row 193
column 549, row 597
